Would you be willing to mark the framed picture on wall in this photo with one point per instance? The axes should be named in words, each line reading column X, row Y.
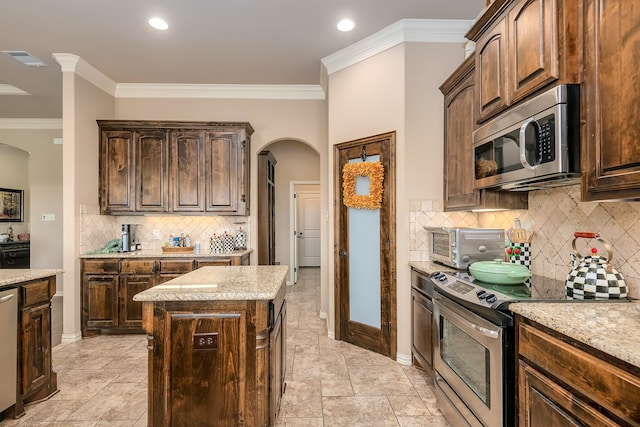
column 11, row 205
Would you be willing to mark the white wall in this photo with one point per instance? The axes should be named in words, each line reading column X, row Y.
column 396, row 90
column 296, row 161
column 43, row 191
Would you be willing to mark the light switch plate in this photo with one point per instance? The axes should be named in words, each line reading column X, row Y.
column 48, row 217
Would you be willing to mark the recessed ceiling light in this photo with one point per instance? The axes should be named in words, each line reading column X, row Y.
column 158, row 23
column 346, row 25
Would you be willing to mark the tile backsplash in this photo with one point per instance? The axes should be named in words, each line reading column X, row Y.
column 553, row 216
column 96, row 230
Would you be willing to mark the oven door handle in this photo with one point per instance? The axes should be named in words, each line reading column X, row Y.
column 486, row 332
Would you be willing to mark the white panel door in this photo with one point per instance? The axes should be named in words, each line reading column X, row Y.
column 308, row 228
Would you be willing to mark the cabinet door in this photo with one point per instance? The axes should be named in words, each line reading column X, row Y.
column 206, row 356
column 186, row 154
column 491, row 71
column 152, row 171
column 100, row 301
column 533, row 46
column 422, row 309
column 130, row 310
column 543, row 403
column 36, row 347
column 278, row 361
column 458, row 146
column 117, row 189
column 610, row 149
column 222, row 171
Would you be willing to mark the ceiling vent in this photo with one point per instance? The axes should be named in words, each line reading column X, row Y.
column 25, row 57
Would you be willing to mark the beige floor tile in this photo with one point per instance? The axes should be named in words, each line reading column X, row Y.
column 337, row 388
column 370, row 411
column 422, row 421
column 117, row 402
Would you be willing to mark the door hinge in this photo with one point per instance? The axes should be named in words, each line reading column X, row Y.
column 389, row 325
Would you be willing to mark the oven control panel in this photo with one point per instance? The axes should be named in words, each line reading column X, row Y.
column 471, row 292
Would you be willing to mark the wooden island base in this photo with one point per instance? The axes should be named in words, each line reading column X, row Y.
column 215, row 362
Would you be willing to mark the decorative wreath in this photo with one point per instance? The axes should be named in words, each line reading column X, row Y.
column 375, row 172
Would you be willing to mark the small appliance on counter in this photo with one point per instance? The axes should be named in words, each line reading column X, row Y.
column 129, row 242
column 592, row 276
column 458, row 247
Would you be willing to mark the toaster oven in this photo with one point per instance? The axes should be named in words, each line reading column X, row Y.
column 458, row 247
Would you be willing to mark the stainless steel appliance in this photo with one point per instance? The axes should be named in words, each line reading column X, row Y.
column 422, row 314
column 474, row 355
column 129, row 242
column 534, row 145
column 9, row 347
column 458, row 247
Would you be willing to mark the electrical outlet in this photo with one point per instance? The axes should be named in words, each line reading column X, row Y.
column 48, row 217
column 207, row 341
column 156, row 234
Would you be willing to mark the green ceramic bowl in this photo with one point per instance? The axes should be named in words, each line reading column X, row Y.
column 499, row 272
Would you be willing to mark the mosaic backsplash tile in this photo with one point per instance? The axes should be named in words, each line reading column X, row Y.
column 553, row 216
column 96, row 230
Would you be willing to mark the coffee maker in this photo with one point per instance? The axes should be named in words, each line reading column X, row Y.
column 129, row 242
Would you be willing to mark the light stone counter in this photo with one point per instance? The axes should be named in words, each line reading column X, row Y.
column 158, row 253
column 611, row 327
column 10, row 277
column 428, row 267
column 251, row 283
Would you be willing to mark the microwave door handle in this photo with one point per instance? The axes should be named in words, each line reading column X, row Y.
column 523, row 141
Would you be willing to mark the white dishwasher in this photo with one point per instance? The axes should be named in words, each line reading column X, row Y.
column 9, row 347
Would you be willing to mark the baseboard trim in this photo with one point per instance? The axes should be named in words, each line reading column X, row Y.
column 323, row 314
column 404, row 359
column 68, row 338
column 331, row 335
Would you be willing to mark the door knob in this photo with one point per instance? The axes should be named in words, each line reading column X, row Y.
column 343, row 253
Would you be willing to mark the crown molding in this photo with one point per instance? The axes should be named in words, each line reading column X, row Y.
column 405, row 30
column 31, row 124
column 160, row 90
column 73, row 63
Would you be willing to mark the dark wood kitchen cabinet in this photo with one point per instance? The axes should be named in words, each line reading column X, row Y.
column 109, row 284
column 174, row 167
column 36, row 377
column 610, row 149
column 563, row 383
column 459, row 164
column 15, row 254
column 523, row 46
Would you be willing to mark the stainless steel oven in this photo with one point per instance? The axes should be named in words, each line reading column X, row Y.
column 474, row 345
column 468, row 360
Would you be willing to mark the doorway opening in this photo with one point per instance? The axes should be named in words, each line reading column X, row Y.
column 304, row 229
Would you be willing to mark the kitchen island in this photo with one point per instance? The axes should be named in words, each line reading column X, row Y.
column 216, row 340
column 27, row 366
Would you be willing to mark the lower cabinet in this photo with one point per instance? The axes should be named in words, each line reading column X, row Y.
column 109, row 284
column 562, row 383
column 36, row 378
column 423, row 325
column 227, row 361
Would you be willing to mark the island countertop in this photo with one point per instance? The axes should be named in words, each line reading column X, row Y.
column 9, row 278
column 233, row 283
column 158, row 253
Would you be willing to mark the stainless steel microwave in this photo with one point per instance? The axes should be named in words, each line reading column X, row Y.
column 533, row 145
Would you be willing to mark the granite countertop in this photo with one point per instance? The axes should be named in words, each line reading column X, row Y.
column 428, row 267
column 260, row 282
column 9, row 278
column 157, row 253
column 611, row 327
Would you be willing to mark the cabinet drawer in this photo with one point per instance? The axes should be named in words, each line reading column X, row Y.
column 137, row 266
column 176, row 266
column 36, row 292
column 102, row 266
column 213, row 262
column 613, row 388
column 18, row 253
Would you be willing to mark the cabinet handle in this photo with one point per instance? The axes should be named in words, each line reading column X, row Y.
column 243, row 184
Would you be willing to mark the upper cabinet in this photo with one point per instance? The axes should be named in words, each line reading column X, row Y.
column 459, row 169
column 610, row 148
column 174, row 167
column 523, row 46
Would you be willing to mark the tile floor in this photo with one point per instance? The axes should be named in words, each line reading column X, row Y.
column 103, row 380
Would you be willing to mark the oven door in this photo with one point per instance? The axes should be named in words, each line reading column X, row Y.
column 468, row 356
